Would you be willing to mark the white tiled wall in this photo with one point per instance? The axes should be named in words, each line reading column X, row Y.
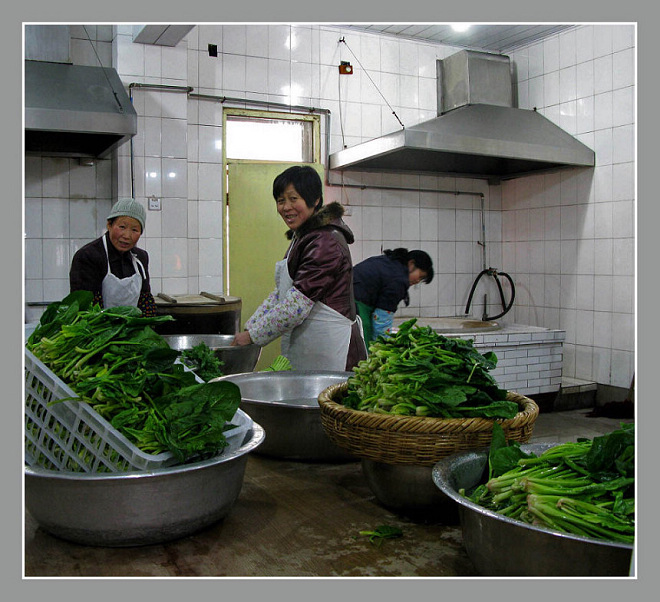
column 570, row 237
column 567, row 239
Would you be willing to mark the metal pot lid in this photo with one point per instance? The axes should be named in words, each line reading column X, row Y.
column 204, row 298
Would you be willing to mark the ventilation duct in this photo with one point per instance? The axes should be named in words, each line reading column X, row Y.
column 478, row 132
column 71, row 110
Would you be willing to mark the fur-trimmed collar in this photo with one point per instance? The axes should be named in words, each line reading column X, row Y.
column 325, row 216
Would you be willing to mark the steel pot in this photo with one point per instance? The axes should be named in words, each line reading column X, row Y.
column 235, row 359
column 286, row 405
column 409, row 489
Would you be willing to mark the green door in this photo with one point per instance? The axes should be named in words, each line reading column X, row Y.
column 256, row 238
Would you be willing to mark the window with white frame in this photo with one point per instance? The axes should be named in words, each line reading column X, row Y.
column 254, row 136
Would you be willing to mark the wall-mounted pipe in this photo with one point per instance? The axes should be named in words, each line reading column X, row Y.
column 406, row 188
column 164, row 88
column 283, row 106
column 300, row 108
column 488, row 271
column 245, row 101
column 505, row 306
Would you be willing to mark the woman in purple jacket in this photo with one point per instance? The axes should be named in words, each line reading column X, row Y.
column 312, row 307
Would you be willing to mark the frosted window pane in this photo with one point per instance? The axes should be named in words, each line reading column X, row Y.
column 266, row 140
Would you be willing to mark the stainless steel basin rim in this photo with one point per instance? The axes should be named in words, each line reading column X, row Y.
column 255, row 438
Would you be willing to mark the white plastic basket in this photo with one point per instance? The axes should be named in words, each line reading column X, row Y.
column 72, row 436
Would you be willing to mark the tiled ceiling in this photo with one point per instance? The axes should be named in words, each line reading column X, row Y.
column 501, row 38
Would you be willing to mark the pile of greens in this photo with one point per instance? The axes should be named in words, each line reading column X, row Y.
column 586, row 488
column 113, row 360
column 202, row 361
column 280, row 364
column 418, row 372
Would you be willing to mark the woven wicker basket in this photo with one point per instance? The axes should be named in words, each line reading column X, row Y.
column 418, row 440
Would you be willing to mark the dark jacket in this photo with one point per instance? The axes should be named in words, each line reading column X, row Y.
column 90, row 266
column 381, row 282
column 321, row 268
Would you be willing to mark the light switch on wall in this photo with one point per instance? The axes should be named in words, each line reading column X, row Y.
column 154, row 204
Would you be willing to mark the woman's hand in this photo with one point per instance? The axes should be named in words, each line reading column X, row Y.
column 242, row 338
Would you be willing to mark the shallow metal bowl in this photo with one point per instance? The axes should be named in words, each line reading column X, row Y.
column 501, row 546
column 286, row 405
column 138, row 507
column 235, row 360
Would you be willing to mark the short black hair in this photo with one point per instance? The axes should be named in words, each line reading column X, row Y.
column 423, row 261
column 305, row 180
column 420, row 259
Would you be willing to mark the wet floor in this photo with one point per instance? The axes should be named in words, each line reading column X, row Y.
column 296, row 519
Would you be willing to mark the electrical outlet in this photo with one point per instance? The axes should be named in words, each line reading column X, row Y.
column 154, row 204
column 345, row 68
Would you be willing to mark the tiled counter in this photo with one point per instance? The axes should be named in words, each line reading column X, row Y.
column 529, row 358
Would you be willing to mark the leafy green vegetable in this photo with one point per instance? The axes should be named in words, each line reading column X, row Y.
column 196, row 417
column 418, row 372
column 586, row 488
column 503, row 457
column 202, row 361
column 279, row 364
column 382, row 532
column 113, row 360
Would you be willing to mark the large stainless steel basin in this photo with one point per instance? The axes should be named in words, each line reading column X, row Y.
column 235, row 359
column 138, row 507
column 286, row 405
column 501, row 546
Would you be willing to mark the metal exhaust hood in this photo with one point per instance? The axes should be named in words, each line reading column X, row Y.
column 478, row 132
column 75, row 111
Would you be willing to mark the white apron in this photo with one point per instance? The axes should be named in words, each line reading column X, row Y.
column 121, row 291
column 321, row 342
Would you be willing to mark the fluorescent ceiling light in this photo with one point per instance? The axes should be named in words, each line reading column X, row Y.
column 460, row 26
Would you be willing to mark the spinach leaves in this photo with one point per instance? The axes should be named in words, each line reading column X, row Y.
column 203, row 361
column 113, row 360
column 418, row 372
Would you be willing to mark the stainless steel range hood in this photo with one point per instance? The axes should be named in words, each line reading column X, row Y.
column 477, row 134
column 75, row 111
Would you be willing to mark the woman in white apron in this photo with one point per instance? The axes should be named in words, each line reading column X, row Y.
column 112, row 267
column 312, row 307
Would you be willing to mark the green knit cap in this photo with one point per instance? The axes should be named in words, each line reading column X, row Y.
column 129, row 208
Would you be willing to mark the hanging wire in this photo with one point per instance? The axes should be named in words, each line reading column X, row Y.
column 98, row 58
column 344, row 191
column 343, row 40
column 341, row 119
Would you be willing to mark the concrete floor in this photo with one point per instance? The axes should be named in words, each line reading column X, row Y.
column 295, row 519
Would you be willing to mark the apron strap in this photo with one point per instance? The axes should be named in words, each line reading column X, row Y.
column 137, row 264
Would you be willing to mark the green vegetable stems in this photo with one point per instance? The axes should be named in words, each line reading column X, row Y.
column 584, row 488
